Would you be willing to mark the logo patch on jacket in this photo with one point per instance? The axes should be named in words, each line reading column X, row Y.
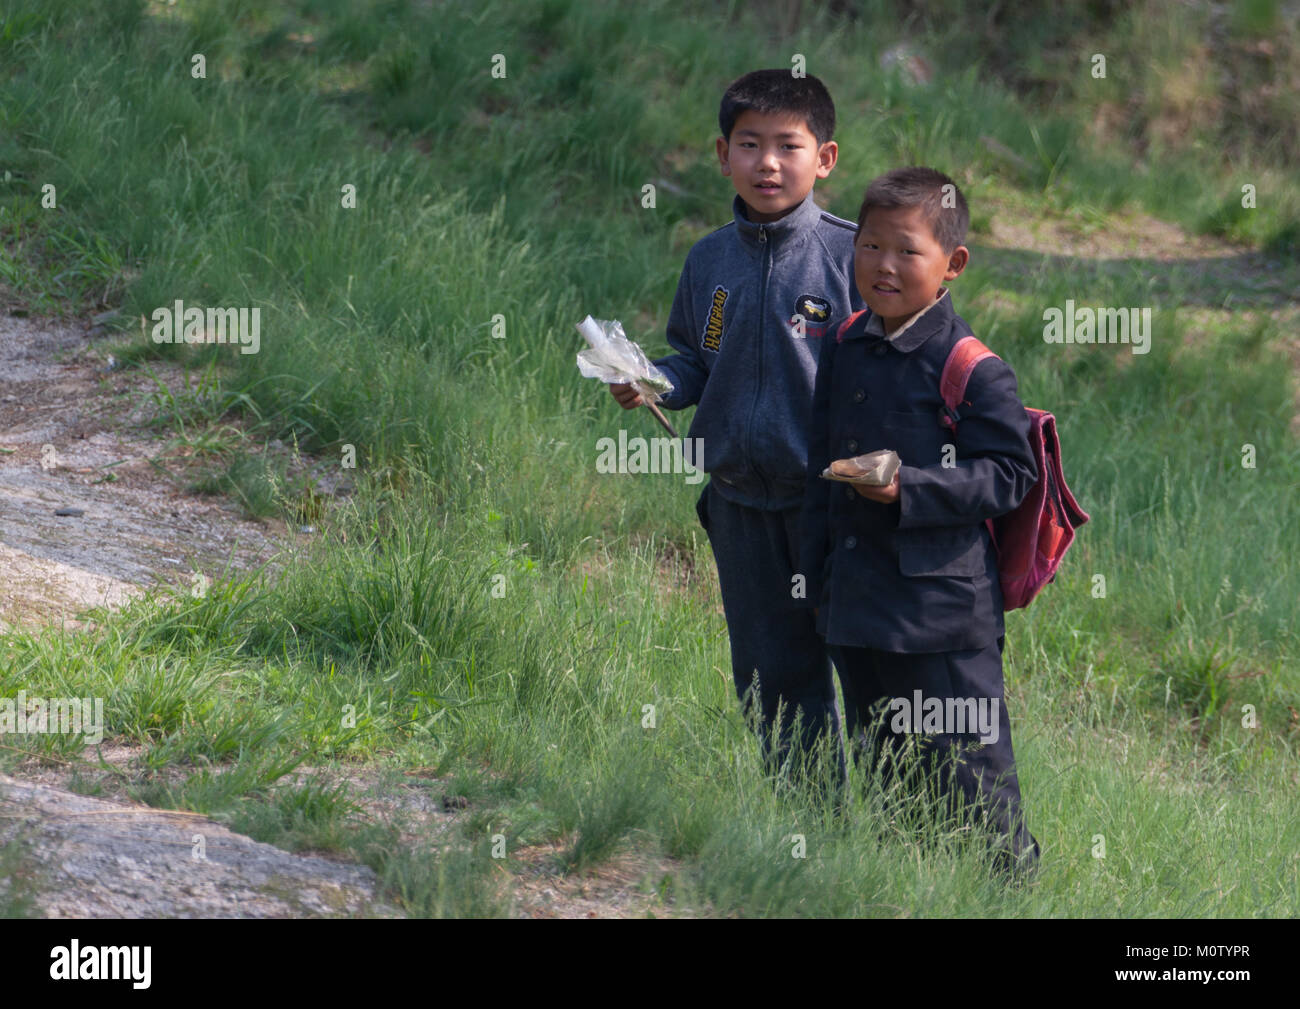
column 812, row 308
column 713, row 328
column 815, row 312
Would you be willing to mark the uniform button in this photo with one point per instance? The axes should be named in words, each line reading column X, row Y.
column 850, row 543
column 859, row 396
column 880, row 350
column 850, row 493
column 851, row 445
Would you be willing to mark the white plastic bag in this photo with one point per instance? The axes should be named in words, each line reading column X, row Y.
column 875, row 469
column 613, row 358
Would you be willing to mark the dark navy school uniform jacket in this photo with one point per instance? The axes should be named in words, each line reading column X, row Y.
column 919, row 575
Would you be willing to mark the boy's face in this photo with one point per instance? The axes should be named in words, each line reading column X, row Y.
column 773, row 161
column 899, row 265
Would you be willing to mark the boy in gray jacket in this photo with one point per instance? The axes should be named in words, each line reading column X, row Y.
column 753, row 305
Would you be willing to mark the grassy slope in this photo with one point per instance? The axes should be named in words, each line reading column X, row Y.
column 521, row 197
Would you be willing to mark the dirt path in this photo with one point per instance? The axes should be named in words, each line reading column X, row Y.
column 72, row 441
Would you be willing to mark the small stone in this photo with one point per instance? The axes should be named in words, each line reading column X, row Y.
column 72, row 512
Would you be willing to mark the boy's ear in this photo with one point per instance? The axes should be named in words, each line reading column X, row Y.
column 827, row 155
column 957, row 262
column 724, row 157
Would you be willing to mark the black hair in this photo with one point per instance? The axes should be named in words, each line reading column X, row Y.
column 779, row 91
column 945, row 212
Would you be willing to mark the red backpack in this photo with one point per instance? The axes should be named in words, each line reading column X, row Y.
column 1031, row 540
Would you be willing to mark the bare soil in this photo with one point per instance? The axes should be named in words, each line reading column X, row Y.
column 72, row 439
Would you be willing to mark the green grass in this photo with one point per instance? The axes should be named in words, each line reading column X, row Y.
column 384, row 642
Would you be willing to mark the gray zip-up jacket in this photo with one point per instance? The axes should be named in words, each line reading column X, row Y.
column 740, row 354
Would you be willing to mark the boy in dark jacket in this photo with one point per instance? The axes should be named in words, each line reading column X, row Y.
column 905, row 576
column 752, row 309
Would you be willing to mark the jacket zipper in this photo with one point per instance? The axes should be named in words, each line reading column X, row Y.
column 758, row 385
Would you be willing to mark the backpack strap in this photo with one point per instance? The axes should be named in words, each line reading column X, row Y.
column 962, row 359
column 844, row 326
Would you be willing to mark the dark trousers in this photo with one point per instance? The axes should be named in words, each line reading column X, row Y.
column 778, row 660
column 960, row 763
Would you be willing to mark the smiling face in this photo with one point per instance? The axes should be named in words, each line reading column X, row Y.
column 773, row 161
column 899, row 265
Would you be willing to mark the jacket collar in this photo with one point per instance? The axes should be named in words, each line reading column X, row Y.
column 790, row 228
column 934, row 318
